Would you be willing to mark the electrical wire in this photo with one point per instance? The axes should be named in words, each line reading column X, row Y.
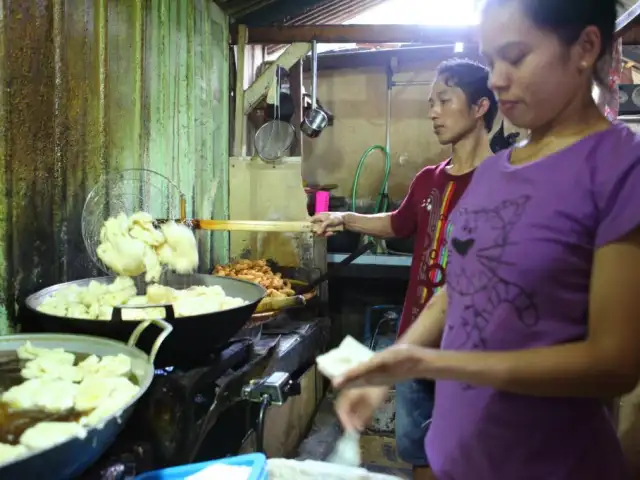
column 387, row 317
column 265, row 403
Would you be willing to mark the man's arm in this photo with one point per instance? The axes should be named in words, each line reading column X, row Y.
column 427, row 329
column 401, row 223
column 375, row 225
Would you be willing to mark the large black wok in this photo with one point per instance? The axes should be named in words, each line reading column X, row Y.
column 193, row 338
column 72, row 457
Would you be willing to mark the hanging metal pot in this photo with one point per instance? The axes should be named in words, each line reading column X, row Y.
column 315, row 120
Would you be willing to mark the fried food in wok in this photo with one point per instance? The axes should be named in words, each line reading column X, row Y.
column 9, row 453
column 96, row 301
column 131, row 246
column 43, row 404
column 257, row 271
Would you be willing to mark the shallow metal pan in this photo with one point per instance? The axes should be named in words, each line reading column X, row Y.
column 72, row 457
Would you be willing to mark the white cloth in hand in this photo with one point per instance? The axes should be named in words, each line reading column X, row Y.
column 347, row 355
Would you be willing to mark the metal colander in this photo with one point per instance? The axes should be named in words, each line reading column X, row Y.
column 128, row 191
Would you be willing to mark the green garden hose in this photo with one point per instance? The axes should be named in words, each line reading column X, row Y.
column 382, row 201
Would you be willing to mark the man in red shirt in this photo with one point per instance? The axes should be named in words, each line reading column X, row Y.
column 463, row 110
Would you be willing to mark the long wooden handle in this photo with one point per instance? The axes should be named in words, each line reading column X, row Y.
column 273, row 304
column 254, row 226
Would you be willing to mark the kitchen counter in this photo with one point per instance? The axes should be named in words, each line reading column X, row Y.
column 374, row 266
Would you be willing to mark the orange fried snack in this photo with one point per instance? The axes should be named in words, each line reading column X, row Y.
column 259, row 272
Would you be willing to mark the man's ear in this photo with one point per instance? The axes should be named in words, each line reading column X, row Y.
column 482, row 106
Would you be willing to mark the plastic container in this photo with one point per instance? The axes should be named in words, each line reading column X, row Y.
column 257, row 462
column 322, row 201
column 280, row 468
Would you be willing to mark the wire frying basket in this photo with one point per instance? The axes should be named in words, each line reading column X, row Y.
column 128, row 191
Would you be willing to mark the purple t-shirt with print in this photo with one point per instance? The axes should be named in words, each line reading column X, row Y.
column 519, row 265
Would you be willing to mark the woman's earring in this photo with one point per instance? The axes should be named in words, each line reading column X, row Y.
column 583, row 65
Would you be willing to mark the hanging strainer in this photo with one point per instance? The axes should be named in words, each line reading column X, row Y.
column 274, row 139
column 128, row 191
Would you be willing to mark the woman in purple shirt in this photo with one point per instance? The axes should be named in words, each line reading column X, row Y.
column 539, row 325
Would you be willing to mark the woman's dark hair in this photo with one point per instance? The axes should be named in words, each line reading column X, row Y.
column 473, row 79
column 568, row 18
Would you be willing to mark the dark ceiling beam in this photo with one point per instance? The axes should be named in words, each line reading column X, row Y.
column 376, row 34
column 360, row 34
column 408, row 56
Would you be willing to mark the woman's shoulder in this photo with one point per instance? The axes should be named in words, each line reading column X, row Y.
column 613, row 151
column 618, row 140
column 614, row 169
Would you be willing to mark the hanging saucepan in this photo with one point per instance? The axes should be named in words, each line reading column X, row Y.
column 315, row 120
column 71, row 457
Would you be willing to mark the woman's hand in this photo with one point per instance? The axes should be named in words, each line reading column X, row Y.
column 355, row 406
column 392, row 365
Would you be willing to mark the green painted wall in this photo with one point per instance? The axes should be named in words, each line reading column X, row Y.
column 90, row 87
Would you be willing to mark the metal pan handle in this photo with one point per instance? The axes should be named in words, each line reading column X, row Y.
column 165, row 327
column 169, row 313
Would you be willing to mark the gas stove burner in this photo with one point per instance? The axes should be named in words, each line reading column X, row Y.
column 230, row 354
column 180, row 408
column 124, row 463
column 163, row 372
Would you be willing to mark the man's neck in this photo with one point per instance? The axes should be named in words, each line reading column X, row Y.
column 469, row 152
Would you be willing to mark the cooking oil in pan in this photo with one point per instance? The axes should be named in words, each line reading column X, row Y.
column 13, row 423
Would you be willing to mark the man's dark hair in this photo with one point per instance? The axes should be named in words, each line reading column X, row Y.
column 473, row 79
column 568, row 18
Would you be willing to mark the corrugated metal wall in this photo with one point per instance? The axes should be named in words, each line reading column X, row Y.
column 333, row 12
column 295, row 12
column 89, row 87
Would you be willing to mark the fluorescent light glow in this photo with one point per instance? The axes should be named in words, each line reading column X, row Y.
column 424, row 12
column 415, row 12
column 459, row 47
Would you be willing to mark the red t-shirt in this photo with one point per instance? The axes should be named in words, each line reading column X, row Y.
column 424, row 213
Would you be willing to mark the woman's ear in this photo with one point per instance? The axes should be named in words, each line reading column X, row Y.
column 589, row 46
